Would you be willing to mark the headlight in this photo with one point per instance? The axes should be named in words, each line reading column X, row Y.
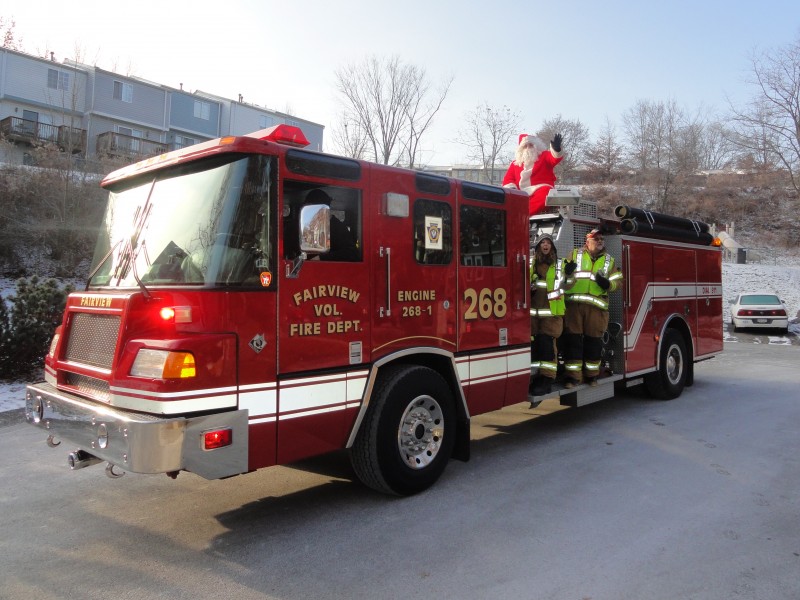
column 163, row 364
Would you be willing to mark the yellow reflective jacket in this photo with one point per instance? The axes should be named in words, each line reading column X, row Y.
column 581, row 285
column 553, row 284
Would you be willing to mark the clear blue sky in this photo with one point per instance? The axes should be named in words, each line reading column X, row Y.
column 583, row 59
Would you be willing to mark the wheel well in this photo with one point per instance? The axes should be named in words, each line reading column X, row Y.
column 678, row 324
column 444, row 365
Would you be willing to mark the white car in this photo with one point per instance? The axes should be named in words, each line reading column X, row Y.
column 759, row 309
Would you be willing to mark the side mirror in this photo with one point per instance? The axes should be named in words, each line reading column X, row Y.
column 315, row 229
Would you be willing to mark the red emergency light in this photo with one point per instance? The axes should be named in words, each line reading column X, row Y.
column 282, row 134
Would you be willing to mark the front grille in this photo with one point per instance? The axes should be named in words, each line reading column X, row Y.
column 89, row 386
column 92, row 339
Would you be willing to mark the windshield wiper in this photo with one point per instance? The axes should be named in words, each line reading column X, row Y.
column 129, row 250
column 101, row 263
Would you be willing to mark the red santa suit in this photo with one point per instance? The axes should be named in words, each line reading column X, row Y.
column 532, row 171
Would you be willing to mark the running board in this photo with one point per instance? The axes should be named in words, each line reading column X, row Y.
column 581, row 394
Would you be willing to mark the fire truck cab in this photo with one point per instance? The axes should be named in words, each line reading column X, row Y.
column 252, row 303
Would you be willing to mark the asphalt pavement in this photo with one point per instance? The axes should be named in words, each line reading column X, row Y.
column 631, row 498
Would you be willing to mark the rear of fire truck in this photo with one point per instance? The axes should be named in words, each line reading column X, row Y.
column 667, row 314
column 142, row 372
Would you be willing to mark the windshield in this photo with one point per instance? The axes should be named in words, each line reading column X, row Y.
column 210, row 223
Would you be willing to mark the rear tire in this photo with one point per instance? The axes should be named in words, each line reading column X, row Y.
column 408, row 433
column 670, row 379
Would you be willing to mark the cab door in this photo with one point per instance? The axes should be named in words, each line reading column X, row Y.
column 323, row 317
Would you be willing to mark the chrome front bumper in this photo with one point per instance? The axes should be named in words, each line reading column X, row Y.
column 137, row 442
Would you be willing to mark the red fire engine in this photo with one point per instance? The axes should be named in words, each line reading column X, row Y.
column 252, row 303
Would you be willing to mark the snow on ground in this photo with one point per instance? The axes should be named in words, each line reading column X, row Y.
column 781, row 276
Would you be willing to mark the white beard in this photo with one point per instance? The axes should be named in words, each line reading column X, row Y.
column 529, row 156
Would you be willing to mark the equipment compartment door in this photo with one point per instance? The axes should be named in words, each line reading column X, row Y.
column 640, row 323
column 414, row 279
column 709, row 302
column 493, row 303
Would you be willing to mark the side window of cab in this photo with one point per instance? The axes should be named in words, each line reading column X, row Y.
column 344, row 222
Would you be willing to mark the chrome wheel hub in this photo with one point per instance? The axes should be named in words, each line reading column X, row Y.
column 419, row 438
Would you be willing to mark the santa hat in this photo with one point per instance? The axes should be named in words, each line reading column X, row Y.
column 524, row 138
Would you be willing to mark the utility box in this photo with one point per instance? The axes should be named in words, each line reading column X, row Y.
column 741, row 256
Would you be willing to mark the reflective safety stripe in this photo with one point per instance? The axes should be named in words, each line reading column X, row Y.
column 593, row 366
column 558, row 282
column 589, row 299
column 536, row 364
column 573, row 366
column 584, row 279
column 548, row 366
column 552, row 284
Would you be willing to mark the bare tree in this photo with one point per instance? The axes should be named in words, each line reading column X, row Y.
column 717, row 150
column 660, row 139
column 769, row 125
column 8, row 33
column 636, row 124
column 603, row 158
column 349, row 138
column 756, row 141
column 419, row 113
column 389, row 101
column 576, row 141
column 486, row 135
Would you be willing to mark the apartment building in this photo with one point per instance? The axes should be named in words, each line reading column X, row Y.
column 94, row 113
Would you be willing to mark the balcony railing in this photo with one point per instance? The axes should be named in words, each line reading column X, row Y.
column 69, row 139
column 127, row 146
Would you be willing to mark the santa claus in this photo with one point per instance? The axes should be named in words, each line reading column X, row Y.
column 532, row 170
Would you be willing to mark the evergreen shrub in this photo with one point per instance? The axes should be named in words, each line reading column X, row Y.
column 28, row 321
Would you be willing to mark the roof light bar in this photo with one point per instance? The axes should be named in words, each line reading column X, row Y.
column 282, row 134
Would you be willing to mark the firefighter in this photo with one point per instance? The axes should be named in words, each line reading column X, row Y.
column 547, row 312
column 591, row 274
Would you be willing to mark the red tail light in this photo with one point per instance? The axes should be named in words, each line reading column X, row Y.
column 775, row 312
column 217, row 439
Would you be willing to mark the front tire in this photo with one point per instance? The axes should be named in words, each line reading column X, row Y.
column 670, row 379
column 407, row 435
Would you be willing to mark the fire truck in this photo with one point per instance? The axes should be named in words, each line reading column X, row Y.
column 253, row 303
